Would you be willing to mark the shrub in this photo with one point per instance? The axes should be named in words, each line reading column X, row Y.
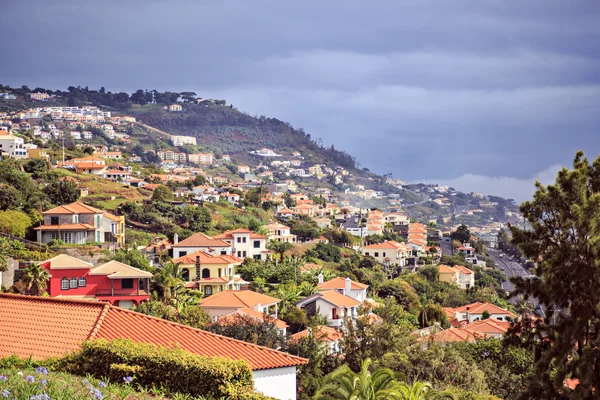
column 172, row 368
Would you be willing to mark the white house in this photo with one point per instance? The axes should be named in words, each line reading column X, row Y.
column 345, row 286
column 280, row 232
column 200, row 241
column 331, row 304
column 246, row 244
column 12, row 145
column 473, row 312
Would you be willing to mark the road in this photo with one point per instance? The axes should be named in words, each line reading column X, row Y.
column 511, row 269
column 446, row 246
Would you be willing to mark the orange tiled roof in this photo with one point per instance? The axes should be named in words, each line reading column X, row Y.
column 82, row 165
column 340, row 283
column 112, row 217
column 463, row 270
column 488, row 326
column 336, row 298
column 206, row 258
column 388, row 244
column 320, row 333
column 453, row 335
column 444, row 269
column 229, row 234
column 201, row 240
column 74, row 208
column 479, row 308
column 238, row 316
column 65, row 227
column 238, row 299
column 54, row 327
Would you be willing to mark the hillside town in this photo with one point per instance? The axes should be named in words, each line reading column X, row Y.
column 266, row 256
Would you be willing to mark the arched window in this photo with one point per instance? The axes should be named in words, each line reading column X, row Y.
column 207, row 290
column 185, row 274
column 206, row 273
column 64, row 284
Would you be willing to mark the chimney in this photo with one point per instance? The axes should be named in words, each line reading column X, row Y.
column 175, row 238
column 198, row 268
column 320, row 278
column 348, row 286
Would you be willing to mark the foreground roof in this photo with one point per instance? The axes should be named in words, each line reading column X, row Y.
column 65, row 261
column 54, row 327
column 117, row 270
column 238, row 299
column 320, row 333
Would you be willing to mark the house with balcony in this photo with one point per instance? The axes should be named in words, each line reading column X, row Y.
column 246, row 243
column 114, row 282
column 79, row 223
column 230, row 301
column 210, row 273
column 201, row 242
column 328, row 338
column 390, row 253
column 474, row 312
column 280, row 232
column 331, row 304
column 345, row 286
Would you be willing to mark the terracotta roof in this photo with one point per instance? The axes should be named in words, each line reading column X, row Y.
column 74, row 208
column 388, row 244
column 112, row 217
column 444, row 269
column 65, row 261
column 453, row 335
column 87, row 159
column 65, row 227
column 202, row 240
column 54, row 327
column 332, row 296
column 206, row 281
column 489, row 326
column 82, row 165
column 479, row 308
column 320, row 333
column 238, row 316
column 237, row 299
column 206, row 258
column 117, row 270
column 463, row 270
column 340, row 283
column 276, row 226
column 229, row 234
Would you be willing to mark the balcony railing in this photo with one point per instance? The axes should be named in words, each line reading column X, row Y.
column 334, row 322
column 121, row 292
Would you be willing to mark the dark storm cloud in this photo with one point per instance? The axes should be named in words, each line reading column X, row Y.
column 423, row 89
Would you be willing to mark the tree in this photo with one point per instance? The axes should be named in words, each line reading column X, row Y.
column 564, row 236
column 35, row 279
column 199, row 218
column 249, row 329
column 326, row 252
column 14, row 223
column 62, row 192
column 485, row 314
column 461, row 234
column 131, row 256
column 162, row 194
column 343, row 383
column 430, row 272
column 10, row 198
column 280, row 247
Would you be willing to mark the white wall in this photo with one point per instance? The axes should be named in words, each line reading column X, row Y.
column 279, row 383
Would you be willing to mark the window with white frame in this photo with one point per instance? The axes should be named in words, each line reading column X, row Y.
column 82, row 282
column 73, row 283
column 64, row 284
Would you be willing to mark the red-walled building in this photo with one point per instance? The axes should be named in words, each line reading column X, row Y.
column 115, row 282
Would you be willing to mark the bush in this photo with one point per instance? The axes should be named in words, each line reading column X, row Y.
column 174, row 369
column 15, row 223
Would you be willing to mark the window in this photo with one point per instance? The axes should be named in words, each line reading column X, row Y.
column 384, row 253
column 223, row 253
column 185, row 275
column 256, row 256
column 64, row 284
column 257, row 244
column 244, row 253
column 205, row 273
column 367, row 254
column 82, row 282
column 182, row 253
column 239, row 240
column 127, row 283
column 243, row 240
column 73, row 284
column 98, row 237
column 207, row 290
column 219, row 272
column 54, row 235
column 53, row 220
column 75, row 219
column 98, row 222
column 239, row 254
column 376, row 254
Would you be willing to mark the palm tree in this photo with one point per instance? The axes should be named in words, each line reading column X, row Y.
column 36, row 279
column 345, row 384
column 306, row 288
column 280, row 247
column 170, row 282
column 289, row 296
column 420, row 391
column 524, row 307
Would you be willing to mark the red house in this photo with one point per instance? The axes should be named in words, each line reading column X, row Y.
column 114, row 282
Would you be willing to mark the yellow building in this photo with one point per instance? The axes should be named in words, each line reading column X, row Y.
column 447, row 274
column 210, row 273
column 38, row 153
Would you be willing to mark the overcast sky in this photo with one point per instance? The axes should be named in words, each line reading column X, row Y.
column 482, row 94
